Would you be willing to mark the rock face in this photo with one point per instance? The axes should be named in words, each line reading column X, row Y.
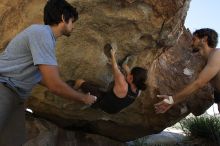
column 151, row 32
column 43, row 133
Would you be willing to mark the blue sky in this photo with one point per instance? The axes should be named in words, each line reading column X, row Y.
column 203, row 14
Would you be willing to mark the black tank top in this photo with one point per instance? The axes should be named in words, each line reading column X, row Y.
column 112, row 104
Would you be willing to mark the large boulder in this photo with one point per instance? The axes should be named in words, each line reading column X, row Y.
column 43, row 133
column 151, row 32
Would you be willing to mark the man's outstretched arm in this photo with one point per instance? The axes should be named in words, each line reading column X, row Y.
column 209, row 72
column 51, row 79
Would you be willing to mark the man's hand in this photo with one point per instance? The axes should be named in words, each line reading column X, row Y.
column 164, row 105
column 89, row 99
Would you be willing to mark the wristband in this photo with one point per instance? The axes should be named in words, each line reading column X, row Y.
column 169, row 100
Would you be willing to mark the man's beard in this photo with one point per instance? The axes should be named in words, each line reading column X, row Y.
column 195, row 50
column 66, row 33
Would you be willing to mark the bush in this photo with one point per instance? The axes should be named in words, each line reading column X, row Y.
column 205, row 127
column 140, row 141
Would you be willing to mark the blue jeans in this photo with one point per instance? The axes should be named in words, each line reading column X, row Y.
column 12, row 118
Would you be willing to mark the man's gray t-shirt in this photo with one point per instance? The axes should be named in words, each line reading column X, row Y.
column 19, row 62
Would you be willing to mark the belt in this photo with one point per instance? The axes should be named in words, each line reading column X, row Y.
column 7, row 86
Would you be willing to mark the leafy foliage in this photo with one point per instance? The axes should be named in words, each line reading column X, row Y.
column 205, row 127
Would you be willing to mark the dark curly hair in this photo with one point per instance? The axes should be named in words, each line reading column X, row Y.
column 54, row 9
column 139, row 77
column 212, row 36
